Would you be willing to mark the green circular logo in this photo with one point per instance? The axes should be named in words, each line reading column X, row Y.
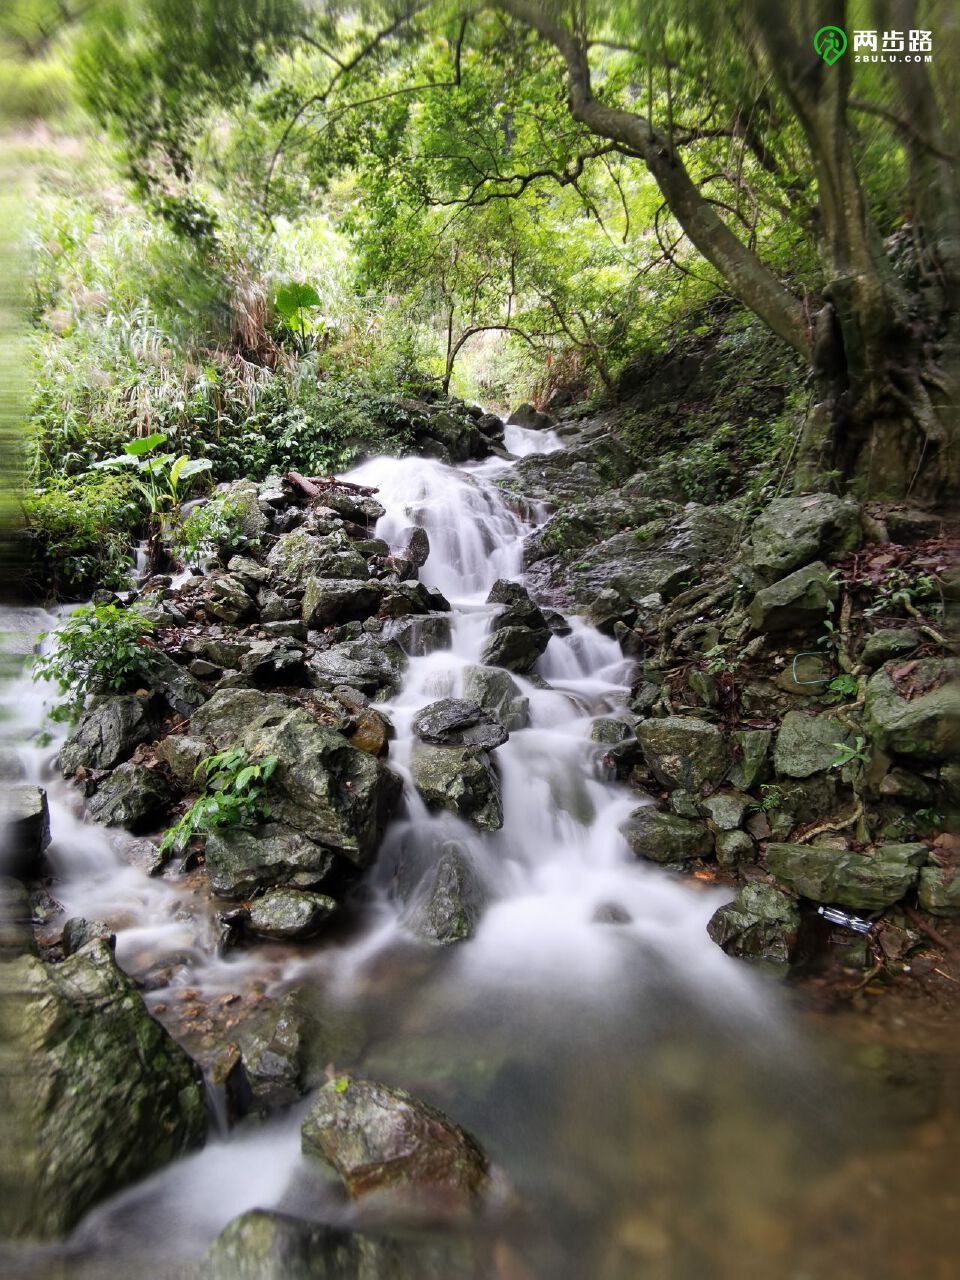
column 830, row 43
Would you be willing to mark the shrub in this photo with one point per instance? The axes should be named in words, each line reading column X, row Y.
column 80, row 533
column 101, row 648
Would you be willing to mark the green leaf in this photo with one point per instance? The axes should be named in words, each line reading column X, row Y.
column 193, row 467
column 293, row 298
column 137, row 447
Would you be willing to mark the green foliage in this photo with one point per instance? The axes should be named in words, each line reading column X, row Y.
column 771, row 797
column 215, row 528
column 844, row 686
column 234, row 785
column 899, row 589
column 101, row 648
column 164, row 476
column 80, row 532
column 849, row 755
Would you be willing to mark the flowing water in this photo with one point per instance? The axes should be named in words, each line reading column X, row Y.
column 655, row 1107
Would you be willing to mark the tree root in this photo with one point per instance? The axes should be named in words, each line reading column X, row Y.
column 833, row 824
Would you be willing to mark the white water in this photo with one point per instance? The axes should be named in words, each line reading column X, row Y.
column 538, row 958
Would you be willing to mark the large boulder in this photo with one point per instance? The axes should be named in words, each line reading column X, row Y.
column 665, row 838
column 460, row 779
column 299, row 555
column 525, row 415
column 808, row 744
column 24, row 829
column 329, row 601
column 515, row 648
column 97, row 1094
column 865, row 880
column 332, row 793
column 761, row 925
column 455, row 722
column 797, row 602
column 682, row 751
column 495, row 690
column 133, row 796
column 108, row 731
column 795, row 530
column 383, row 1140
column 900, row 718
column 241, row 860
column 364, row 664
column 178, row 688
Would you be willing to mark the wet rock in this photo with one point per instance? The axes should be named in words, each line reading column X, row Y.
column 383, row 1140
column 290, row 914
column 226, row 598
column 795, row 530
column 924, row 726
column 453, row 903
column 889, row 643
column 201, row 669
column 133, row 796
column 108, row 732
column 683, row 751
column 275, row 607
column 278, row 661
column 491, row 426
column 808, row 744
column 96, row 1093
column 244, row 497
column 333, row 601
column 795, row 603
column 262, row 1245
column 665, row 838
column 294, row 556
column 16, row 925
column 240, row 861
column 751, row 747
column 420, row 636
column 145, row 856
column 337, row 796
column 609, row 730
column 525, row 415
column 178, row 688
column 24, row 829
column 77, row 932
column 361, row 509
column 455, row 722
column 371, row 733
column 273, row 1055
column 866, row 880
column 365, row 664
column 182, row 755
column 734, row 849
column 611, row 913
column 761, row 925
column 939, row 890
column 415, row 546
column 725, row 810
column 495, row 690
column 515, row 648
column 460, row 779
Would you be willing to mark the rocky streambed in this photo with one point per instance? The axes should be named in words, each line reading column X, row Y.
column 446, row 1006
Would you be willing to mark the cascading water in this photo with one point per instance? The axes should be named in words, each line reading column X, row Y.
column 610, row 1057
